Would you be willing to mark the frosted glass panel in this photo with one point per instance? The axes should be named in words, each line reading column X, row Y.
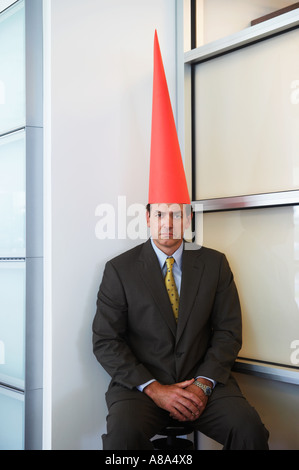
column 262, row 247
column 12, row 420
column 12, row 323
column 247, row 120
column 12, row 195
column 12, row 68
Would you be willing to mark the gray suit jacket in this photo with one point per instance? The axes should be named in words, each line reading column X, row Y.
column 135, row 336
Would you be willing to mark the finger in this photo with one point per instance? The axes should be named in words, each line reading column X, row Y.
column 176, row 414
column 192, row 411
column 183, row 414
column 188, row 399
column 185, row 384
column 179, row 417
column 193, row 398
column 178, row 392
column 187, row 409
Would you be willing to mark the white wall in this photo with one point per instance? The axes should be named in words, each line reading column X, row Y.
column 98, row 92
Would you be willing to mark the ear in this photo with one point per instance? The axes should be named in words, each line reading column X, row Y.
column 188, row 220
column 148, row 220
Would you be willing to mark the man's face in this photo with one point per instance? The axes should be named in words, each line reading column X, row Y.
column 168, row 223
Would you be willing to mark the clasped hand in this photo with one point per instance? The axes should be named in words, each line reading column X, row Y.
column 184, row 401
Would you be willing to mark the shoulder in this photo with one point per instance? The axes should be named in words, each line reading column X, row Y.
column 197, row 250
column 128, row 256
column 120, row 269
column 216, row 260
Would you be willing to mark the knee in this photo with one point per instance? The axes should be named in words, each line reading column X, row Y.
column 126, row 431
column 120, row 438
column 248, row 432
column 122, row 435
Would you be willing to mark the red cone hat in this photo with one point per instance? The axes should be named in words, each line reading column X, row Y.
column 167, row 181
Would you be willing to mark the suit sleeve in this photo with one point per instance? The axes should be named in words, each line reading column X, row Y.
column 226, row 332
column 110, row 344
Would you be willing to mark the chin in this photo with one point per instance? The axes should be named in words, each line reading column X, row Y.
column 169, row 241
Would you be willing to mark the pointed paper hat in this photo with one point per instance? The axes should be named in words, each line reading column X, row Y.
column 167, row 180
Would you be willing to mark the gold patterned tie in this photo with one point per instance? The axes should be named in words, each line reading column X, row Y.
column 171, row 288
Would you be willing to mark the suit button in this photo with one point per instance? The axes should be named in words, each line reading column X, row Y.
column 178, row 354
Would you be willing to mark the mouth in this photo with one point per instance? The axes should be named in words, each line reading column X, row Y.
column 167, row 235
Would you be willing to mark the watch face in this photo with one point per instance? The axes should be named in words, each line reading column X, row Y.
column 208, row 391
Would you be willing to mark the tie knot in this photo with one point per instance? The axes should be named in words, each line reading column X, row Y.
column 169, row 262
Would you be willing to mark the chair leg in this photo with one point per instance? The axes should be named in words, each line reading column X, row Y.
column 195, row 440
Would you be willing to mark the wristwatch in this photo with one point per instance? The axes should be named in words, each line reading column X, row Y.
column 206, row 389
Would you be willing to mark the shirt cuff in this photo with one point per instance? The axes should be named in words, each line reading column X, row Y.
column 207, row 378
column 142, row 387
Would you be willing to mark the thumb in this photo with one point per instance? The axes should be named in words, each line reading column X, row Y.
column 185, row 384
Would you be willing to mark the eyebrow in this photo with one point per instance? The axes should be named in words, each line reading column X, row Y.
column 156, row 212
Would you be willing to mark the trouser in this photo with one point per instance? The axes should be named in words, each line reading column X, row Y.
column 231, row 421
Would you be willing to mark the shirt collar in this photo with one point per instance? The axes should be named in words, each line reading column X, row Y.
column 177, row 255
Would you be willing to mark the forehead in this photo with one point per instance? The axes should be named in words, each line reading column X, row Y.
column 167, row 208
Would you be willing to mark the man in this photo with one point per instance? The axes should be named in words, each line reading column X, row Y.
column 159, row 367
column 168, row 322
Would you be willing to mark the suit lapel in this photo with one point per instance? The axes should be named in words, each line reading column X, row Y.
column 192, row 269
column 151, row 274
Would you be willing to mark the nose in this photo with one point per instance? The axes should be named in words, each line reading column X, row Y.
column 168, row 220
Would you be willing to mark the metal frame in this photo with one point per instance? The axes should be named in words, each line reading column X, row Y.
column 34, row 225
column 246, row 37
column 267, row 371
column 253, row 201
column 5, row 4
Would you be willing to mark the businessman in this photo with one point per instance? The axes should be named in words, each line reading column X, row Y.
column 164, row 368
column 168, row 322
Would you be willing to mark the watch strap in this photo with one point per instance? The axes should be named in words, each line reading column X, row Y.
column 205, row 388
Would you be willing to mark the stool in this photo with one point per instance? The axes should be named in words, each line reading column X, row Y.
column 171, row 441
